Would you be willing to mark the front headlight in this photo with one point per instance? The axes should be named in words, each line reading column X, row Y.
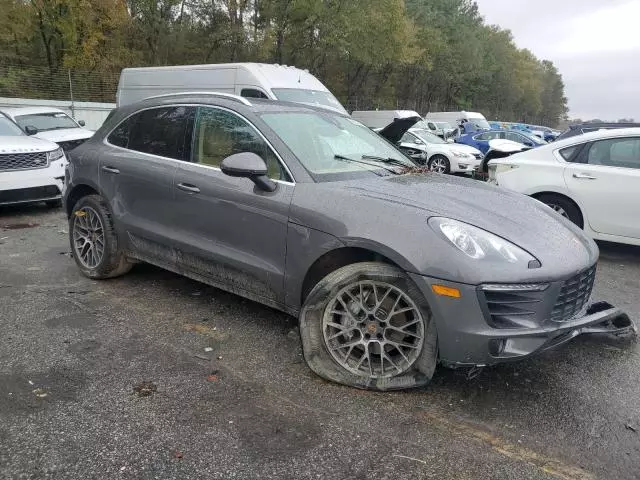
column 477, row 243
column 55, row 155
column 459, row 154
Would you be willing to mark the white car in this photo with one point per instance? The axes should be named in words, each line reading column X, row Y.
column 31, row 169
column 592, row 179
column 50, row 124
column 440, row 156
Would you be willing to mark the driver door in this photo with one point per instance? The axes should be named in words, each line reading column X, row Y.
column 232, row 233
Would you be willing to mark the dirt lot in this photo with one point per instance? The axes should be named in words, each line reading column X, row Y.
column 156, row 376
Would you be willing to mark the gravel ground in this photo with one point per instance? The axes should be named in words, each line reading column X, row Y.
column 155, row 376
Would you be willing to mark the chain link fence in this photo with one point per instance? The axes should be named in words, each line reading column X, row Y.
column 37, row 82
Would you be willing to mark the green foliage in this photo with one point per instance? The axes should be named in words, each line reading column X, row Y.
column 427, row 55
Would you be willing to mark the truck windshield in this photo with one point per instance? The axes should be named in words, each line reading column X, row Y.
column 8, row 128
column 310, row 97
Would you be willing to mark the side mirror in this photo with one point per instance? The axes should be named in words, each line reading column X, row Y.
column 248, row 165
column 30, row 130
column 81, row 123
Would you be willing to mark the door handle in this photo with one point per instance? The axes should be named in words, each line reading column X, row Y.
column 187, row 187
column 584, row 176
column 110, row 170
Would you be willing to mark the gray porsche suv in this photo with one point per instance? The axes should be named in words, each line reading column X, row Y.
column 390, row 269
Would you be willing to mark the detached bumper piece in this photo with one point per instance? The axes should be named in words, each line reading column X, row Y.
column 600, row 318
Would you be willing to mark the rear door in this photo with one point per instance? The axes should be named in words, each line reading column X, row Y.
column 232, row 233
column 606, row 181
column 137, row 169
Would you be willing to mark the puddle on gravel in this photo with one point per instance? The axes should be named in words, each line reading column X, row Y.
column 18, row 226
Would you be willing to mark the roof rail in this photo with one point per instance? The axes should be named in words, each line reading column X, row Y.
column 230, row 96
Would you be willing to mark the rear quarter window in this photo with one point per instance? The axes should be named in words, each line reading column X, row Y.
column 569, row 153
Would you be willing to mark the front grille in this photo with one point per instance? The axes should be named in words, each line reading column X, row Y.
column 574, row 295
column 23, row 161
column 71, row 144
column 33, row 194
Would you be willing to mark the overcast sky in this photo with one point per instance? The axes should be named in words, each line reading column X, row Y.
column 594, row 43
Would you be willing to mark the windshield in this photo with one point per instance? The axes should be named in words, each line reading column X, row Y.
column 317, row 138
column 427, row 137
column 8, row 128
column 311, row 97
column 46, row 121
column 480, row 123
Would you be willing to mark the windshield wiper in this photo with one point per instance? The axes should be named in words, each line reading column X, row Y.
column 388, row 161
column 354, row 160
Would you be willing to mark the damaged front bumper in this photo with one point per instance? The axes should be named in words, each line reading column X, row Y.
column 465, row 338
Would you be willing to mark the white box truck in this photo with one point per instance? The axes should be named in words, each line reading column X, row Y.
column 252, row 80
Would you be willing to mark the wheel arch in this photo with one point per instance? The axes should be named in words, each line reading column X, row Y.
column 564, row 195
column 337, row 258
column 77, row 192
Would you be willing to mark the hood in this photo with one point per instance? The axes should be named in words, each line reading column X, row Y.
column 515, row 217
column 25, row 144
column 396, row 129
column 65, row 134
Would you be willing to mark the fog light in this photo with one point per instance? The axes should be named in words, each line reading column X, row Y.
column 497, row 346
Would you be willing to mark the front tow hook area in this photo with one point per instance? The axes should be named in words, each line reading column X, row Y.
column 620, row 325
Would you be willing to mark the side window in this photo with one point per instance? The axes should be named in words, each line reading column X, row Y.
column 252, row 93
column 220, row 133
column 163, row 131
column 569, row 152
column 488, row 136
column 120, row 136
column 514, row 137
column 408, row 138
column 615, row 152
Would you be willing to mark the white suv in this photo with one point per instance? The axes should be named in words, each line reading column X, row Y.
column 31, row 169
column 50, row 124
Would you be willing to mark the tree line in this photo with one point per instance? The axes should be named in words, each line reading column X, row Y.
column 424, row 55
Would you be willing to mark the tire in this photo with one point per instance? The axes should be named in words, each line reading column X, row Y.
column 564, row 206
column 54, row 203
column 323, row 347
column 440, row 160
column 89, row 217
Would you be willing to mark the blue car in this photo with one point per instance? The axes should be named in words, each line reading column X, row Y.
column 480, row 140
